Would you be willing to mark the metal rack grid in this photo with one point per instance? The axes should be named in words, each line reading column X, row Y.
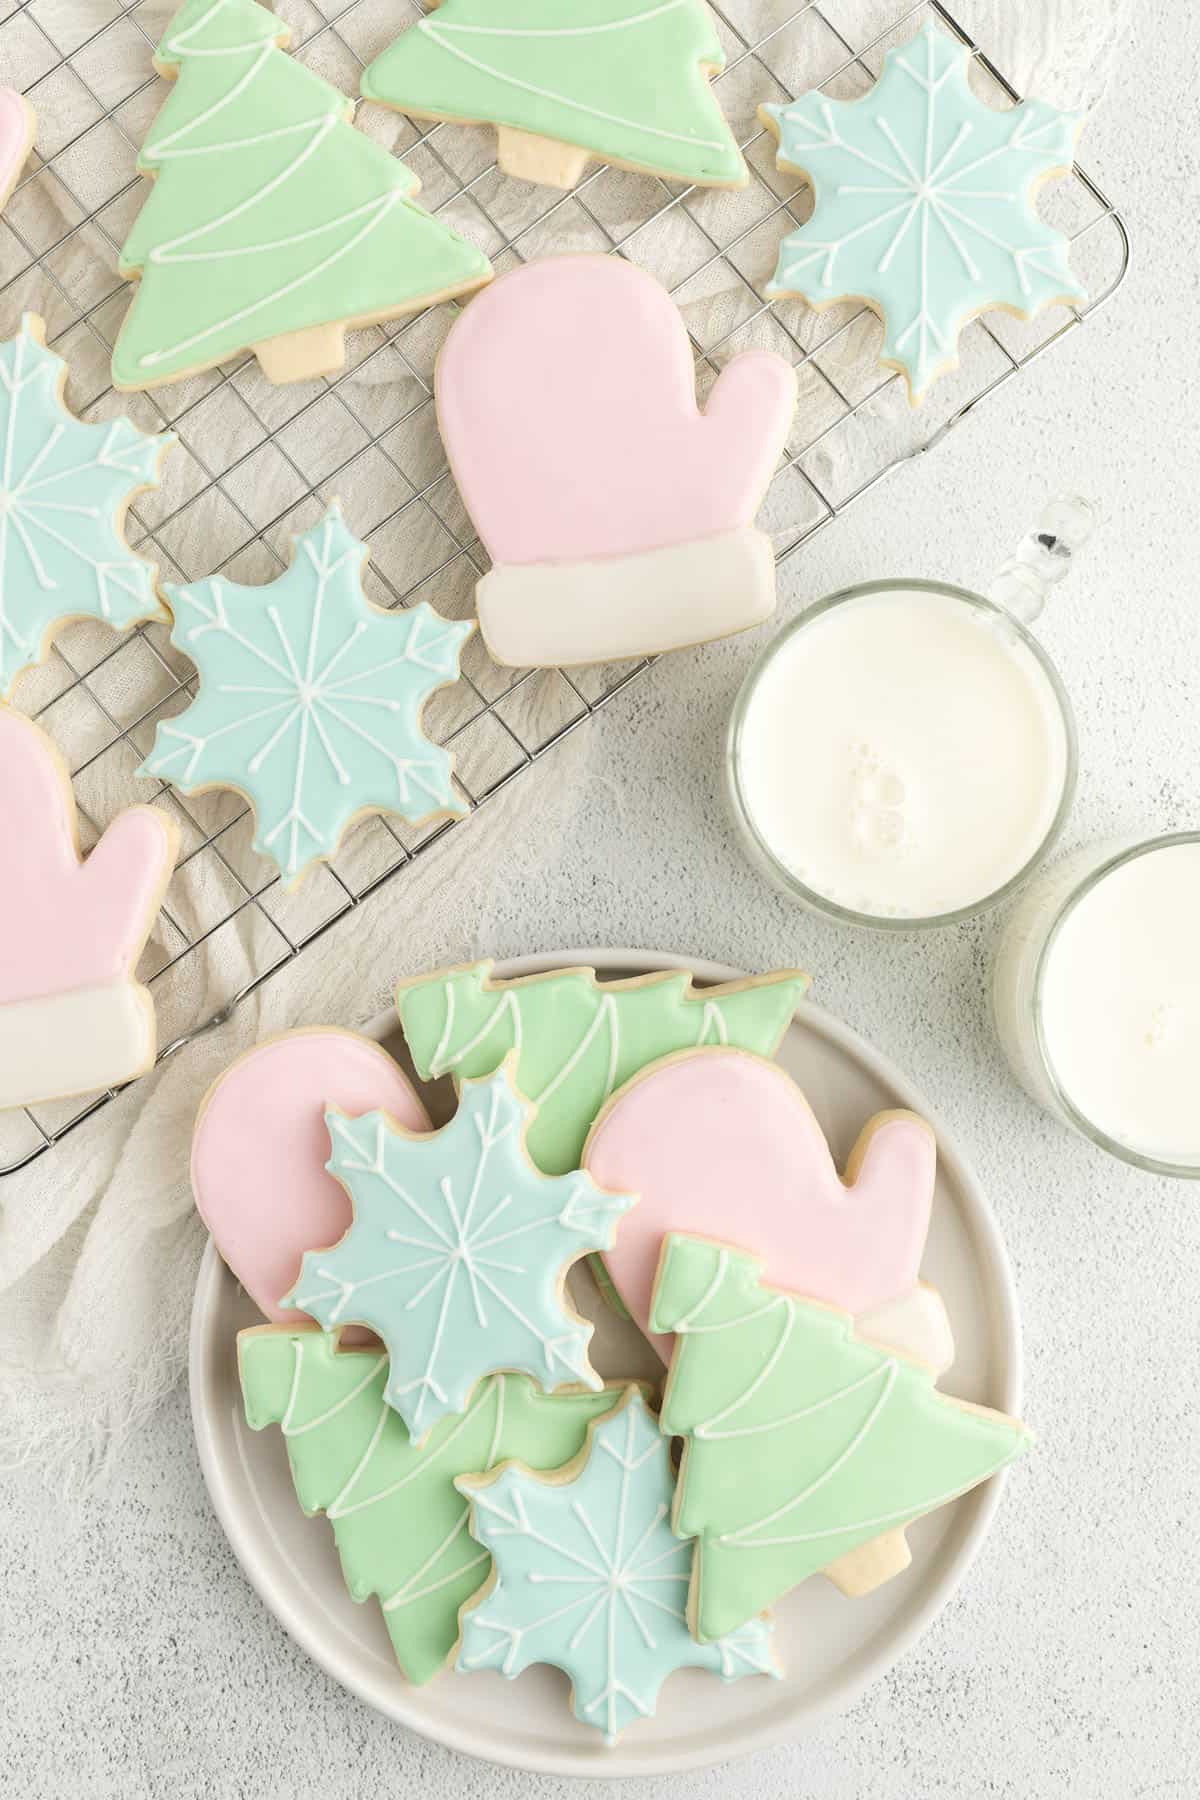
column 256, row 464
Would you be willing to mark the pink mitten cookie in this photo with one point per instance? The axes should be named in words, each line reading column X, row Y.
column 18, row 124
column 261, row 1145
column 722, row 1144
column 619, row 517
column 72, row 1016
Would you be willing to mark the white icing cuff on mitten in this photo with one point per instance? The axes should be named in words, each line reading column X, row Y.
column 76, row 1042
column 607, row 609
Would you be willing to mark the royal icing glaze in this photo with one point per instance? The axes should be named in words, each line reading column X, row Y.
column 18, row 122
column 627, row 81
column 576, row 1039
column 72, row 1017
column 590, row 1577
column 261, row 1144
column 270, row 215
column 619, row 517
column 924, row 203
column 400, row 1526
column 64, row 490
column 722, row 1143
column 310, row 700
column 803, row 1442
column 457, row 1253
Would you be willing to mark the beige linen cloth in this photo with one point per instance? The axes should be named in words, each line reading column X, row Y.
column 99, row 1242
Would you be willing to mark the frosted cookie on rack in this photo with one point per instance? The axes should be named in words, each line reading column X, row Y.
column 310, row 700
column 924, row 204
column 625, row 82
column 722, row 1143
column 806, row 1446
column 73, row 1016
column 619, row 516
column 590, row 1577
column 261, row 1144
column 577, row 1039
column 458, row 1253
column 18, row 127
column 273, row 225
column 399, row 1525
column 65, row 490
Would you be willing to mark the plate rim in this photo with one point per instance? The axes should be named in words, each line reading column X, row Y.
column 395, row 1703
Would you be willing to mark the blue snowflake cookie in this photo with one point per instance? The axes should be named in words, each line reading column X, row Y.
column 310, row 700
column 457, row 1252
column 590, row 1577
column 65, row 487
column 924, row 204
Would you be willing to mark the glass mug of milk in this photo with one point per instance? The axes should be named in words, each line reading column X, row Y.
column 1096, row 993
column 903, row 755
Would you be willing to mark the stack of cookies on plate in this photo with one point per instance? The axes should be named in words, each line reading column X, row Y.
column 504, row 1503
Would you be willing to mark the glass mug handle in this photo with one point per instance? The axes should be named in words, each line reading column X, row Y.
column 1044, row 556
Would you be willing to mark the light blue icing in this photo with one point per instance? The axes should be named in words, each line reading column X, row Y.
column 310, row 699
column 924, row 203
column 457, row 1252
column 590, row 1577
column 64, row 486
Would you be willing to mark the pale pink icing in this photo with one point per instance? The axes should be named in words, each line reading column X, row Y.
column 566, row 395
column 14, row 131
column 65, row 923
column 723, row 1144
column 261, row 1145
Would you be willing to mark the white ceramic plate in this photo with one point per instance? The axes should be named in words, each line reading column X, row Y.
column 830, row 1647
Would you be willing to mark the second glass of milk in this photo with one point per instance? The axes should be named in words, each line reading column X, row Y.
column 902, row 756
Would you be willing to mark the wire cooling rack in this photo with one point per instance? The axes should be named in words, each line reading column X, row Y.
column 255, row 464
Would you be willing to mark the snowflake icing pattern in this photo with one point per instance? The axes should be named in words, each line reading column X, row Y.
column 893, row 222
column 590, row 1577
column 64, row 486
column 457, row 1252
column 310, row 700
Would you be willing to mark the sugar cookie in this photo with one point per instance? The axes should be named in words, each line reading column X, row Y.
column 310, row 700
column 65, row 488
column 273, row 225
column 619, row 517
column 578, row 1039
column 73, row 1017
column 623, row 81
column 894, row 226
column 805, row 1445
column 722, row 1143
column 590, row 1577
column 457, row 1253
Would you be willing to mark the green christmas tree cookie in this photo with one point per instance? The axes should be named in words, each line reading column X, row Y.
column 622, row 81
column 400, row 1526
column 579, row 1040
column 273, row 225
column 803, row 1442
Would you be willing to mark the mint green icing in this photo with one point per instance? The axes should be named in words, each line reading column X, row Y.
column 310, row 700
column 400, row 1527
column 578, row 1040
column 457, row 1253
column 269, row 213
column 924, row 202
column 622, row 78
column 64, row 487
column 803, row 1442
column 590, row 1577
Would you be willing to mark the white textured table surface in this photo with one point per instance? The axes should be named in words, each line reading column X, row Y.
column 135, row 1660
